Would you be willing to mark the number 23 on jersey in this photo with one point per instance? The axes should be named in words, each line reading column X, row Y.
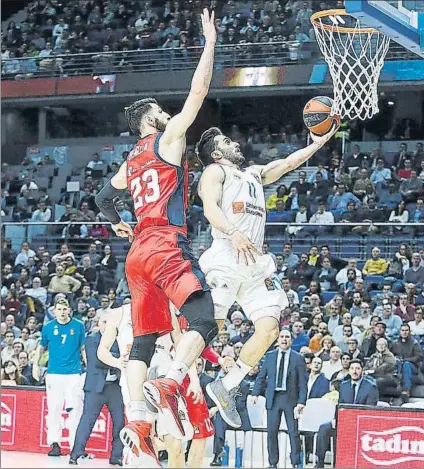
column 145, row 189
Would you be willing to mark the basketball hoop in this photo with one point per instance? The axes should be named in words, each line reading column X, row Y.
column 355, row 56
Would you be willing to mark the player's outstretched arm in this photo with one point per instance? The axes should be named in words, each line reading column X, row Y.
column 178, row 125
column 276, row 169
column 105, row 200
column 108, row 338
column 210, row 191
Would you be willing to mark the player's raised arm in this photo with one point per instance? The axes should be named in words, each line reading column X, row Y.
column 105, row 200
column 276, row 169
column 178, row 125
column 210, row 191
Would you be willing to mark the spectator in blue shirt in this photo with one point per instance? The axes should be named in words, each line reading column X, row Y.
column 392, row 321
column 64, row 337
column 313, row 177
column 340, row 200
column 381, row 175
column 280, row 213
column 300, row 338
column 125, row 214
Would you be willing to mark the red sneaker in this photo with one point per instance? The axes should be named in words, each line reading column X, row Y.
column 136, row 437
column 166, row 395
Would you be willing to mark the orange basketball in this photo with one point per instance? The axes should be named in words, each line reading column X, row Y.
column 317, row 115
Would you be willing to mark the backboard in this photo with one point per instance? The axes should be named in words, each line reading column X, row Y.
column 402, row 20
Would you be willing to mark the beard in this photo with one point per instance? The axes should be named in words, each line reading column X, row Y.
column 160, row 125
column 234, row 157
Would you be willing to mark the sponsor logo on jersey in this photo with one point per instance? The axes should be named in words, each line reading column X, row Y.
column 255, row 210
column 8, row 414
column 72, row 332
column 269, row 283
column 256, row 176
column 394, row 446
column 238, row 207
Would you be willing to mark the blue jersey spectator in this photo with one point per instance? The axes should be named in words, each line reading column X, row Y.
column 64, row 338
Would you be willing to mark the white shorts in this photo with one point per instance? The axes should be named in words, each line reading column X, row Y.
column 253, row 286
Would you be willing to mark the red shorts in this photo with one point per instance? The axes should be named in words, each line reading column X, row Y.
column 198, row 415
column 160, row 266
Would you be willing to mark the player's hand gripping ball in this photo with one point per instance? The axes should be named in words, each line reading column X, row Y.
column 317, row 115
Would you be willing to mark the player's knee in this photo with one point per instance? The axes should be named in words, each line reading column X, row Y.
column 199, row 312
column 267, row 328
column 143, row 348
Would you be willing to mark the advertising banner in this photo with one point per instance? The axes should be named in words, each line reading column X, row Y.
column 379, row 437
column 23, row 424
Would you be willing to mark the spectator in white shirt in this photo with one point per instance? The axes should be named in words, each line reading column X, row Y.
column 339, row 333
column 341, row 277
column 47, row 52
column 333, row 365
column 7, row 352
column 59, row 28
column 28, row 185
column 96, row 161
column 104, row 307
column 363, row 321
column 291, row 294
column 417, row 326
column 37, row 291
column 43, row 213
column 23, row 257
column 322, row 217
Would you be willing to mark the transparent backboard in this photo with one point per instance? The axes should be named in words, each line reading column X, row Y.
column 401, row 20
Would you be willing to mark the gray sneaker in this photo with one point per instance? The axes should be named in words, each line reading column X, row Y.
column 225, row 401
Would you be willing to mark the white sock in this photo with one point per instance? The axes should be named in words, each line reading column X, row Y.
column 236, row 375
column 177, row 372
column 138, row 411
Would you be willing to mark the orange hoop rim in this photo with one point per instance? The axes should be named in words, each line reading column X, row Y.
column 341, row 29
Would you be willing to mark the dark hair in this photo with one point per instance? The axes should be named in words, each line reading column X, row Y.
column 206, row 145
column 359, row 362
column 136, row 112
column 309, row 355
column 336, row 384
column 345, row 354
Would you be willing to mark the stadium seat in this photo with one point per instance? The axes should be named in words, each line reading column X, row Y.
column 301, row 294
column 328, row 296
column 315, row 413
column 374, row 293
column 374, row 279
column 257, row 416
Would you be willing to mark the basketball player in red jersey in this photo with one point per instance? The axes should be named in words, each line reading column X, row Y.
column 160, row 264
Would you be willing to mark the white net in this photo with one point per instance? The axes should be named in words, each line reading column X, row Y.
column 355, row 56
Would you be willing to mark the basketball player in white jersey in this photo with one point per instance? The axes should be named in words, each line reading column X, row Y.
column 235, row 269
column 119, row 328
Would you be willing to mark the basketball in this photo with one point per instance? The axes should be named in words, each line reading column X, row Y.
column 317, row 115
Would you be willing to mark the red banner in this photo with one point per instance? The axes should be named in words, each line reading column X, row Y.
column 23, row 424
column 28, row 88
column 380, row 437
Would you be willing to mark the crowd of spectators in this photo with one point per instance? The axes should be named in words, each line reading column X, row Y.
column 359, row 188
column 54, row 29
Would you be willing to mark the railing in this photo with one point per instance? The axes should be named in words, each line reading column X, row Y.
column 154, row 60
column 339, row 236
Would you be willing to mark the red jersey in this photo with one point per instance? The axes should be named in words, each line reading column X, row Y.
column 159, row 189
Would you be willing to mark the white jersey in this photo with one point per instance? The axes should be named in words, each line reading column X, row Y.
column 125, row 340
column 243, row 203
column 125, row 336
